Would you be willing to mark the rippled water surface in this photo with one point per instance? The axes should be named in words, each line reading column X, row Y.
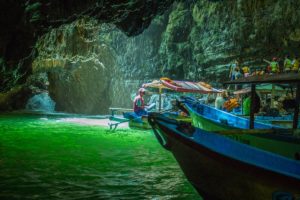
column 44, row 157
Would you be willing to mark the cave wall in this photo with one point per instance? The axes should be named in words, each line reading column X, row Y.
column 78, row 67
column 192, row 40
column 198, row 40
column 24, row 21
column 71, row 55
column 202, row 38
column 137, row 58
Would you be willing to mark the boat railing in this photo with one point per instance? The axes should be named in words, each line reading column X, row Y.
column 281, row 78
column 221, row 116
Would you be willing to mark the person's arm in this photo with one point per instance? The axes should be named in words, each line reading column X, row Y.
column 266, row 61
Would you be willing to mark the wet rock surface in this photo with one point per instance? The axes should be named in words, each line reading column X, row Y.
column 24, row 21
column 192, row 40
column 79, row 69
column 199, row 40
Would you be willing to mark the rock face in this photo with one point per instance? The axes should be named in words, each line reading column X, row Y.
column 203, row 38
column 16, row 97
column 24, row 21
column 137, row 60
column 198, row 40
column 79, row 69
column 193, row 40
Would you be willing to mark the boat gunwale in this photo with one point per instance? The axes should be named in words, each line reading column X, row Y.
column 228, row 114
column 190, row 141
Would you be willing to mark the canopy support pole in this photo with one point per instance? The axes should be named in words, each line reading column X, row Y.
column 272, row 96
column 159, row 100
column 251, row 123
column 296, row 111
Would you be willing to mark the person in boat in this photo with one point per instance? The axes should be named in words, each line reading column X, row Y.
column 152, row 102
column 232, row 72
column 246, row 71
column 139, row 104
column 289, row 103
column 167, row 104
column 280, row 107
column 266, row 107
column 237, row 73
column 287, row 64
column 164, row 102
column 268, row 69
column 258, row 72
column 231, row 104
column 247, row 103
column 261, row 71
column 220, row 100
column 295, row 65
column 274, row 66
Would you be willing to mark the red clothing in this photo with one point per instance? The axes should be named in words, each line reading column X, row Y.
column 138, row 103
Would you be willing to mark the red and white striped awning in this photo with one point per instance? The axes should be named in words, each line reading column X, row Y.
column 182, row 86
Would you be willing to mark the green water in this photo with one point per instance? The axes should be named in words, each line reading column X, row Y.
column 42, row 157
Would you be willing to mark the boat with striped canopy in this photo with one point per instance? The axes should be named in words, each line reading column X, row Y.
column 221, row 166
column 141, row 122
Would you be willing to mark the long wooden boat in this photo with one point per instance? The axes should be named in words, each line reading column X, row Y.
column 141, row 122
column 211, row 119
column 222, row 168
column 134, row 121
column 138, row 122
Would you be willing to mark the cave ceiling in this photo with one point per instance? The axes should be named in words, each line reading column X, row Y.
column 23, row 21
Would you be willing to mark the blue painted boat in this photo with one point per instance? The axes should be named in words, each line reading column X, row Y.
column 222, row 168
column 134, row 121
column 212, row 119
column 138, row 122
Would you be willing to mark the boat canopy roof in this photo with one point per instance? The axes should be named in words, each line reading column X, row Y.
column 182, row 86
column 267, row 78
column 155, row 84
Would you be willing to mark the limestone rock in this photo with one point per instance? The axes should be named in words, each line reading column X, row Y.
column 24, row 21
column 79, row 69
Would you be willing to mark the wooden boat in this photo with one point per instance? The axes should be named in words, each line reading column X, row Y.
column 138, row 122
column 134, row 121
column 180, row 86
column 222, row 168
column 212, row 119
column 141, row 122
column 285, row 121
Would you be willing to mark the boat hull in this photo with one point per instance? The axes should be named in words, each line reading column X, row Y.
column 139, row 124
column 274, row 143
column 216, row 176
